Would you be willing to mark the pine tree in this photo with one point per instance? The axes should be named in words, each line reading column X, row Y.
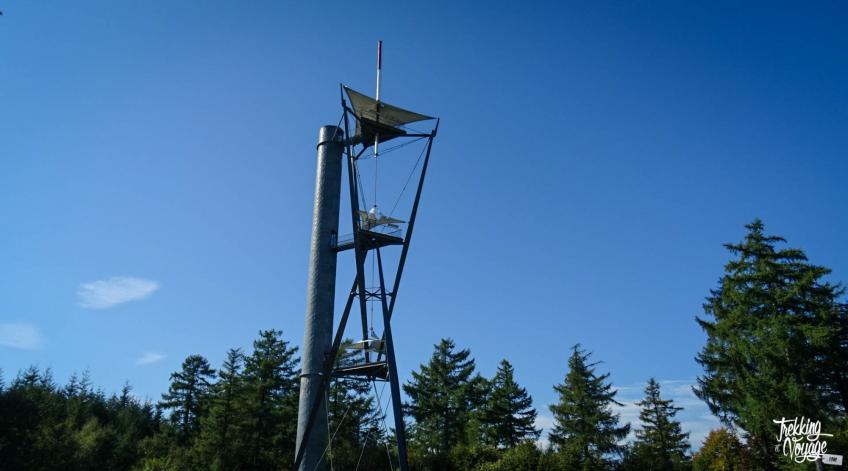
column 508, row 415
column 660, row 444
column 271, row 388
column 586, row 431
column 187, row 396
column 775, row 342
column 440, row 401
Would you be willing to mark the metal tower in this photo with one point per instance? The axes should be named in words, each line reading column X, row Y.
column 375, row 122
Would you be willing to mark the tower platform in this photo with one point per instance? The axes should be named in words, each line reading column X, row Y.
column 379, row 370
column 369, row 240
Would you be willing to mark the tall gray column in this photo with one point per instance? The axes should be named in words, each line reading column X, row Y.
column 320, row 293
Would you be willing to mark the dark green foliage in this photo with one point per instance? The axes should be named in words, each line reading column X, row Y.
column 45, row 427
column 776, row 342
column 188, row 396
column 442, row 400
column 221, row 439
column 478, row 390
column 660, row 444
column 247, row 419
column 586, row 431
column 508, row 415
column 270, row 401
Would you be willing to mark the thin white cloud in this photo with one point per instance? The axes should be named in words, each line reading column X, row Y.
column 544, row 423
column 108, row 293
column 150, row 357
column 24, row 336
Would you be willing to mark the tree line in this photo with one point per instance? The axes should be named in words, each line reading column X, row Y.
column 776, row 346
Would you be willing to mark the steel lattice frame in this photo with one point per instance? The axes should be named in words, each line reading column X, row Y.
column 361, row 247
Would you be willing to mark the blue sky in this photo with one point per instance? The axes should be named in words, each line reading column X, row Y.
column 157, row 169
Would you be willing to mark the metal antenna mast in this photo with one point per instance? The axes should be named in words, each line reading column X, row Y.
column 377, row 94
column 375, row 122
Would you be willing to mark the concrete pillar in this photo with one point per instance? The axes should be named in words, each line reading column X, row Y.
column 320, row 294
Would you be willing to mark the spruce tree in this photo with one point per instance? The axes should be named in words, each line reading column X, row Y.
column 270, row 401
column 508, row 415
column 586, row 431
column 187, row 395
column 775, row 342
column 660, row 444
column 476, row 395
column 440, row 401
column 220, row 444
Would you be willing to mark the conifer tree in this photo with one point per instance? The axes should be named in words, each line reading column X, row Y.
column 187, row 395
column 440, row 400
column 508, row 415
column 586, row 431
column 775, row 340
column 660, row 444
column 477, row 395
column 271, row 388
column 44, row 426
column 220, row 442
